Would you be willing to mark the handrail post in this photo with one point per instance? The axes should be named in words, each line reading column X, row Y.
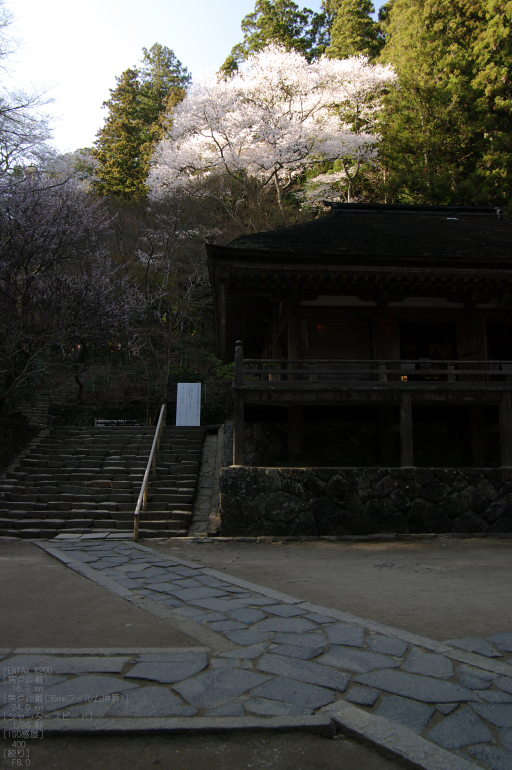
column 451, row 368
column 383, row 377
column 142, row 501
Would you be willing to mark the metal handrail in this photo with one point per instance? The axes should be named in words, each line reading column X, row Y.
column 143, row 496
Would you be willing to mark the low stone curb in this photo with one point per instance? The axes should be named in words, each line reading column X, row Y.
column 101, row 535
column 395, row 740
column 339, row 538
column 318, row 723
column 474, row 659
column 99, row 650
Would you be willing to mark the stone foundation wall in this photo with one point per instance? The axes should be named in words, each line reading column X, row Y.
column 364, row 501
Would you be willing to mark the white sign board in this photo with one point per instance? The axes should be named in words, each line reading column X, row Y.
column 188, row 403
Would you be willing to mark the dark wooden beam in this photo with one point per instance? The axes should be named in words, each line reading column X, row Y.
column 406, row 436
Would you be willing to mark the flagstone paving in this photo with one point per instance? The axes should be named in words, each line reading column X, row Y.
column 267, row 655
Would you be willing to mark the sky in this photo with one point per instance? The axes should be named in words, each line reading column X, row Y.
column 74, row 51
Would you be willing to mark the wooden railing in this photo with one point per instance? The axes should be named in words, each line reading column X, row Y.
column 143, row 496
column 306, row 372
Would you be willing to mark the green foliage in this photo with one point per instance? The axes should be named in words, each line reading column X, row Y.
column 353, row 30
column 122, row 166
column 492, row 83
column 447, row 124
column 139, row 110
column 279, row 21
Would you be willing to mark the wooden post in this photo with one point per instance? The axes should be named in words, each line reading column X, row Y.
column 238, row 421
column 477, row 436
column 238, row 432
column 293, row 337
column 406, row 445
column 239, row 364
column 387, row 437
column 506, row 429
column 295, row 430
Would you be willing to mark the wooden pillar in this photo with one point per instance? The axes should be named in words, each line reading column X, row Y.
column 295, row 431
column 477, row 436
column 238, row 432
column 506, row 429
column 387, row 437
column 238, row 417
column 293, row 333
column 406, row 445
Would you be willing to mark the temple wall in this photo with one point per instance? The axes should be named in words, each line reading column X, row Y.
column 363, row 501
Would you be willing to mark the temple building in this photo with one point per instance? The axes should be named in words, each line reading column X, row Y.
column 378, row 336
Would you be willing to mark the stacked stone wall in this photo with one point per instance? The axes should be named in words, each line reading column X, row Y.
column 364, row 501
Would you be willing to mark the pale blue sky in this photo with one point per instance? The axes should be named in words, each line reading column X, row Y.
column 75, row 50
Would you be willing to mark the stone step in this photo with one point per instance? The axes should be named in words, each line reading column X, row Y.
column 161, row 524
column 85, row 479
column 172, row 515
column 168, row 506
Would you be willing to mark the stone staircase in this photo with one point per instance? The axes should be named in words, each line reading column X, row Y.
column 84, row 480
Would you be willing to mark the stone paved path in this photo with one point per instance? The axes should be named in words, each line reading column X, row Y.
column 265, row 657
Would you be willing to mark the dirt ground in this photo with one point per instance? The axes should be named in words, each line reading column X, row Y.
column 45, row 604
column 442, row 588
column 233, row 751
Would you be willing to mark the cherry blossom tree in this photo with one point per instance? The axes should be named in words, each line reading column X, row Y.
column 275, row 118
column 58, row 288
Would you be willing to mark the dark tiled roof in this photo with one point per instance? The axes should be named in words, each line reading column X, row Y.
column 392, row 231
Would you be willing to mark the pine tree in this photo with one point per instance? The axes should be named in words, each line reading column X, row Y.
column 139, row 110
column 353, row 30
column 279, row 21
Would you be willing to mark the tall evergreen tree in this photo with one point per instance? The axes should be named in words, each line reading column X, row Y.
column 493, row 84
column 353, row 30
column 139, row 110
column 447, row 123
column 282, row 22
column 121, row 164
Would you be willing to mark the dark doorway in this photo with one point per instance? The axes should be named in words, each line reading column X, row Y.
column 499, row 341
column 431, row 341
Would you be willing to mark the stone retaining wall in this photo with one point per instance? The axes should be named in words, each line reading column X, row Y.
column 364, row 501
